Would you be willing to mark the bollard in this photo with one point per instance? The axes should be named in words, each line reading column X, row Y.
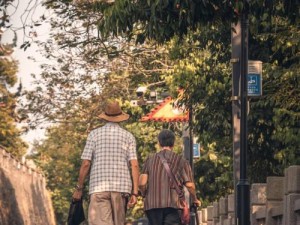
column 193, row 218
column 193, row 215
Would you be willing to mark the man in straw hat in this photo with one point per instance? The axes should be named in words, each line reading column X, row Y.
column 109, row 153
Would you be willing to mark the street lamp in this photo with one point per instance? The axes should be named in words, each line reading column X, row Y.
column 243, row 187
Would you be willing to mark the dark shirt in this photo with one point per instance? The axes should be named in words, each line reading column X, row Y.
column 160, row 193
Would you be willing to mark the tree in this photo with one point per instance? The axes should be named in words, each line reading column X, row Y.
column 162, row 20
column 10, row 134
column 202, row 69
column 83, row 63
column 59, row 158
column 275, row 116
column 4, row 19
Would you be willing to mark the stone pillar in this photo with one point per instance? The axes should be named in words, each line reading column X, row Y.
column 223, row 210
column 258, row 200
column 210, row 215
column 199, row 216
column 260, row 216
column 229, row 221
column 297, row 210
column 215, row 213
column 204, row 217
column 292, row 194
column 227, row 210
column 231, row 207
column 275, row 192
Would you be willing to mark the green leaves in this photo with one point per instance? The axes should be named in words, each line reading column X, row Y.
column 10, row 134
column 162, row 20
column 59, row 158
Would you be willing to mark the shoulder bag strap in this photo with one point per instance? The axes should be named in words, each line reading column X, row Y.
column 171, row 176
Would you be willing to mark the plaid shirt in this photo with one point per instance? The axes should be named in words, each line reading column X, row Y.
column 110, row 148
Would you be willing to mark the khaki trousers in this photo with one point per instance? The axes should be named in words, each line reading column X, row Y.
column 107, row 208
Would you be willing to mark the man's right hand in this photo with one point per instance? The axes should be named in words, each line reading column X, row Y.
column 77, row 195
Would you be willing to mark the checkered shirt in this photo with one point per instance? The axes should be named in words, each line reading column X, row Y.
column 110, row 148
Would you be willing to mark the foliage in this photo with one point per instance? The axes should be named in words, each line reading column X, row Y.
column 59, row 157
column 4, row 19
column 83, row 64
column 10, row 134
column 202, row 70
column 274, row 118
column 213, row 177
column 161, row 20
column 274, row 132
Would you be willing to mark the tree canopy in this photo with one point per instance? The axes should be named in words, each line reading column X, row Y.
column 162, row 20
column 10, row 134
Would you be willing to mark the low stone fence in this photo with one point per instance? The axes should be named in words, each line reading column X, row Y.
column 275, row 203
column 24, row 199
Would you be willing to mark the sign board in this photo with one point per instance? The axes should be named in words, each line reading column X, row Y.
column 196, row 150
column 167, row 111
column 254, row 78
column 254, row 85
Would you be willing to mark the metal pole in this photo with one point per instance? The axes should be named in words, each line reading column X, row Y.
column 236, row 106
column 191, row 158
column 187, row 145
column 186, row 142
column 191, row 140
column 243, row 207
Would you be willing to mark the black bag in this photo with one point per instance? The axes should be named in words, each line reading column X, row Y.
column 76, row 213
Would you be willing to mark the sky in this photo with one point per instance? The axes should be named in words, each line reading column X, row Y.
column 27, row 66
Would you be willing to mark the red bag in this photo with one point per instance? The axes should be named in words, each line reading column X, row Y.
column 185, row 214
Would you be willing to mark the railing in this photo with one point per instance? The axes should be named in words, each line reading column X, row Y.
column 276, row 202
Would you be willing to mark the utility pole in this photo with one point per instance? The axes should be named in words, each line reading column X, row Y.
column 191, row 139
column 243, row 187
column 187, row 138
column 236, row 105
column 188, row 151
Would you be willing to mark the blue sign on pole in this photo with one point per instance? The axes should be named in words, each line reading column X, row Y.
column 254, row 85
column 196, row 150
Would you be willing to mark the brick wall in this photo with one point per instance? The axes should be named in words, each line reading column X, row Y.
column 24, row 199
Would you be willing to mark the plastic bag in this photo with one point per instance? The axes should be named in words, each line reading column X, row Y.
column 76, row 213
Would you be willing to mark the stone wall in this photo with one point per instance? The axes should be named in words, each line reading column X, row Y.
column 24, row 199
column 276, row 202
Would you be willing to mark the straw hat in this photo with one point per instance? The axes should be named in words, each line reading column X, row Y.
column 113, row 113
